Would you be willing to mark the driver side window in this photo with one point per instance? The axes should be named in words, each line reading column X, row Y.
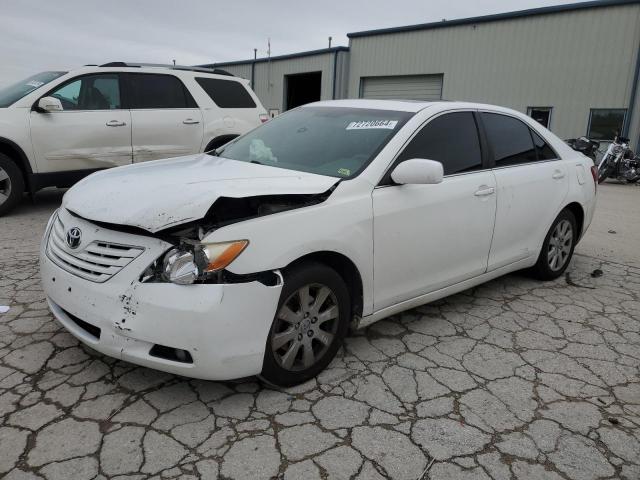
column 91, row 92
column 451, row 139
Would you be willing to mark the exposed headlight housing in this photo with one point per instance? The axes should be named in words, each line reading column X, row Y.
column 190, row 263
column 179, row 267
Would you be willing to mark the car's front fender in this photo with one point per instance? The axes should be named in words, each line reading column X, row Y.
column 341, row 224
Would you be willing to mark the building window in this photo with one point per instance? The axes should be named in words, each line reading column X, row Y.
column 542, row 115
column 605, row 123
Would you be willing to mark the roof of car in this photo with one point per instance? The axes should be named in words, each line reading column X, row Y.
column 399, row 105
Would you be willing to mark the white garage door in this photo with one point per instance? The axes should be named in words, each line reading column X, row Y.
column 411, row 87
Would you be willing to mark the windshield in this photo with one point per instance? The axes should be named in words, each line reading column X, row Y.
column 333, row 141
column 11, row 94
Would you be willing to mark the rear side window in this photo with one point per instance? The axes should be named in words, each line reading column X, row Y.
column 451, row 139
column 543, row 150
column 226, row 93
column 149, row 90
column 510, row 139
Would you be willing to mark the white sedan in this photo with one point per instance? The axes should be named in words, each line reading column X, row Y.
column 255, row 259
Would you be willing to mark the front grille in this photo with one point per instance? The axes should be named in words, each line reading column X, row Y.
column 98, row 261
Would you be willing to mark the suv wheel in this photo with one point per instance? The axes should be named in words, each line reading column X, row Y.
column 309, row 327
column 557, row 248
column 11, row 184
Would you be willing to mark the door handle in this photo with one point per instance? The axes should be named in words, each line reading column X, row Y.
column 190, row 121
column 557, row 175
column 115, row 123
column 483, row 192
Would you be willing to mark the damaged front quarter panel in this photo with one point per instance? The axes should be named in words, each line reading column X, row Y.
column 224, row 211
column 229, row 210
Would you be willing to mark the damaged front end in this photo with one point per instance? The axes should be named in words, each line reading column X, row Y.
column 193, row 260
column 228, row 210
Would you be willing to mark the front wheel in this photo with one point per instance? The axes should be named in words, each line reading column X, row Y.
column 557, row 248
column 603, row 170
column 309, row 326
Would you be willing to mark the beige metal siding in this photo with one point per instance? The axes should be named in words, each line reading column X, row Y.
column 242, row 70
column 342, row 75
column 572, row 61
column 411, row 87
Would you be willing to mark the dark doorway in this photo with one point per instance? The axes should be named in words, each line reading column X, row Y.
column 302, row 88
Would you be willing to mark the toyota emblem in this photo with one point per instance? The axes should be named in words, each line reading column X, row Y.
column 73, row 237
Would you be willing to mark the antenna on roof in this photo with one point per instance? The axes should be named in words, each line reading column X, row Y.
column 330, row 42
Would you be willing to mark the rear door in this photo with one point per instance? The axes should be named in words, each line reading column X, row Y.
column 427, row 237
column 166, row 121
column 531, row 186
column 92, row 131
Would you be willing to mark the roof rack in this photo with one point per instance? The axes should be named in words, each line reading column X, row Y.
column 216, row 71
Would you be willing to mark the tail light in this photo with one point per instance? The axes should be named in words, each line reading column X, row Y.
column 594, row 174
column 264, row 117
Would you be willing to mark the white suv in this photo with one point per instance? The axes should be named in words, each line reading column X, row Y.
column 58, row 127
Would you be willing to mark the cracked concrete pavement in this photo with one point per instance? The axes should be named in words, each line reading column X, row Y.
column 515, row 379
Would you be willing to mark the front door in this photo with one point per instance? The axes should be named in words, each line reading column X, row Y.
column 427, row 237
column 92, row 131
column 166, row 120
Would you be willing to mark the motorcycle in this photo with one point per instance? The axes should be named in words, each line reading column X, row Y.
column 619, row 162
column 585, row 146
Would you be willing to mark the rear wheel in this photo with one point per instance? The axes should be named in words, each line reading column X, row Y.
column 309, row 326
column 11, row 184
column 557, row 248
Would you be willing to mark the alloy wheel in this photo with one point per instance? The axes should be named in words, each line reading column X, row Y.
column 306, row 326
column 560, row 245
column 5, row 186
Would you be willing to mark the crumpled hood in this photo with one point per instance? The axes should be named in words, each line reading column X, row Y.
column 164, row 193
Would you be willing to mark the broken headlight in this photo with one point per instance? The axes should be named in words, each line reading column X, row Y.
column 194, row 262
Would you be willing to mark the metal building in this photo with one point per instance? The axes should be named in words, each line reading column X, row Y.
column 574, row 67
column 287, row 81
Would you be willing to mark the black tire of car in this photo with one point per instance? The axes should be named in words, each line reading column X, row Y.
column 295, row 278
column 541, row 270
column 17, row 184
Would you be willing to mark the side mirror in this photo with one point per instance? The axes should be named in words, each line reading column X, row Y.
column 418, row 171
column 50, row 104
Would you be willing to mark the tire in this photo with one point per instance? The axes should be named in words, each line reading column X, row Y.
column 296, row 331
column 11, row 184
column 557, row 248
column 603, row 172
column 218, row 142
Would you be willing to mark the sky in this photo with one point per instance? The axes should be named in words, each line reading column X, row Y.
column 38, row 35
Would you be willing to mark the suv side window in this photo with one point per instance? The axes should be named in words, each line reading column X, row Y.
column 90, row 92
column 544, row 151
column 226, row 93
column 451, row 139
column 510, row 139
column 151, row 90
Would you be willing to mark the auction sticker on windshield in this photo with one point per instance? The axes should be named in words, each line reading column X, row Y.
column 367, row 124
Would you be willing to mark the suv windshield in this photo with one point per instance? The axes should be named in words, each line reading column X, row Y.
column 11, row 94
column 334, row 141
